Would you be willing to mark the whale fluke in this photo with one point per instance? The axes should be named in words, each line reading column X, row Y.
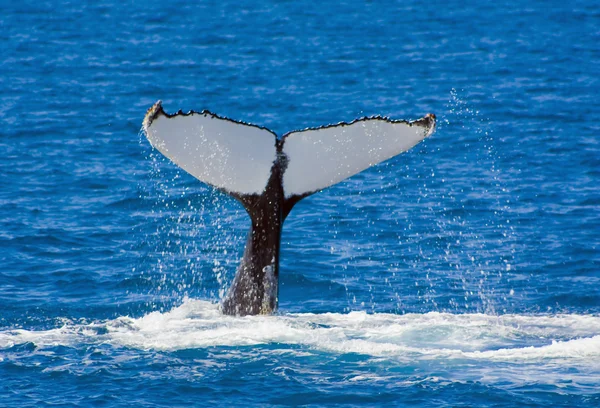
column 321, row 157
column 270, row 175
column 232, row 156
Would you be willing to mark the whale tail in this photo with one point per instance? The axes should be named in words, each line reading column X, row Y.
column 270, row 175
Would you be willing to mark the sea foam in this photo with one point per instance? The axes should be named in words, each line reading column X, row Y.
column 199, row 324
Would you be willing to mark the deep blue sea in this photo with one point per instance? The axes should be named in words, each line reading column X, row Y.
column 465, row 272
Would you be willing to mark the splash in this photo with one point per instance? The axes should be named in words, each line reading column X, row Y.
column 191, row 236
column 434, row 335
column 454, row 246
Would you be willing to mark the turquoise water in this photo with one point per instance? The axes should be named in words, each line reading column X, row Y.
column 465, row 272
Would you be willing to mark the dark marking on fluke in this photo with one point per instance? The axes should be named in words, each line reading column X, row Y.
column 255, row 287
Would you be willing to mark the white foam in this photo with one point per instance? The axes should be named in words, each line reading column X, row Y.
column 199, row 324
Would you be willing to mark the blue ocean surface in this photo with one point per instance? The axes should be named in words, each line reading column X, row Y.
column 465, row 272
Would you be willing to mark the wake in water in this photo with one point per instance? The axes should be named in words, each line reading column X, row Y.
column 506, row 352
column 462, row 339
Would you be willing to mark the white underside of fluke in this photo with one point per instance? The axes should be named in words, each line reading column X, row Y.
column 238, row 157
column 232, row 156
column 319, row 158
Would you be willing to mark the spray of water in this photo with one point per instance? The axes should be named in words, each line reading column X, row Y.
column 448, row 205
column 474, row 241
column 192, row 236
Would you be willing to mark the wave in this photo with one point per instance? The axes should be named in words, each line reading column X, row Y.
column 199, row 324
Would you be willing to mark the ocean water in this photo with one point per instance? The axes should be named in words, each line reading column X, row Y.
column 465, row 272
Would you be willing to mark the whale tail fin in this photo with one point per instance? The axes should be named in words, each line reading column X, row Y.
column 269, row 176
column 318, row 158
column 234, row 157
column 240, row 158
